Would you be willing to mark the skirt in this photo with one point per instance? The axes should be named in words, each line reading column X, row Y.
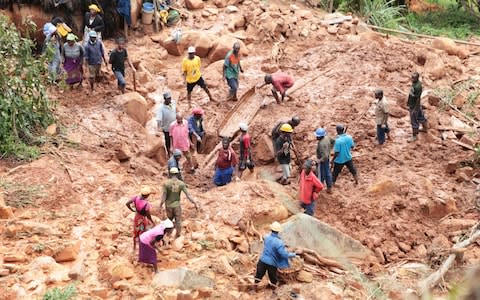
column 73, row 67
column 140, row 225
column 147, row 254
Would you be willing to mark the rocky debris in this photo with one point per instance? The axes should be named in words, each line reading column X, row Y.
column 194, row 4
column 304, row 276
column 457, row 224
column 213, row 74
column 67, row 253
column 122, row 152
column 182, row 278
column 382, row 187
column 435, row 66
column 263, row 150
column 222, row 265
column 120, row 269
column 434, row 100
column 220, row 3
column 156, row 149
column 77, row 272
column 232, row 9
column 134, row 105
column 6, row 212
column 468, row 140
column 450, row 47
column 99, row 292
column 52, row 129
column 14, row 258
column 179, row 243
column 172, row 47
column 397, row 112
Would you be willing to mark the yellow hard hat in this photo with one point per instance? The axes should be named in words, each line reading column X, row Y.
column 145, row 190
column 286, row 128
column 94, row 7
column 276, row 227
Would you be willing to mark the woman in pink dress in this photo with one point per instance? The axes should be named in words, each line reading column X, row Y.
column 142, row 220
column 148, row 242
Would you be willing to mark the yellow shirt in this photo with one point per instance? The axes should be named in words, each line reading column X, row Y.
column 191, row 67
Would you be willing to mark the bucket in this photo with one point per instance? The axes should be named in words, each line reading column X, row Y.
column 148, row 7
column 147, row 17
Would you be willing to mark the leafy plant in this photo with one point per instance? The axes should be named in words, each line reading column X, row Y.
column 24, row 106
column 67, row 293
column 383, row 13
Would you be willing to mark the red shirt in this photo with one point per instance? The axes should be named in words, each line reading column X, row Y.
column 245, row 145
column 310, row 186
column 226, row 159
column 282, row 81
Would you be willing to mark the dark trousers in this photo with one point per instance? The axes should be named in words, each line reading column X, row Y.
column 309, row 208
column 167, row 140
column 381, row 133
column 262, row 268
column 337, row 168
column 233, row 84
column 417, row 117
column 324, row 173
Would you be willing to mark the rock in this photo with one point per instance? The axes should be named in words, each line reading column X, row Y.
column 119, row 270
column 181, row 278
column 100, row 292
column 449, row 46
column 6, row 212
column 58, row 273
column 134, row 105
column 397, row 112
column 434, row 100
column 185, row 295
column 460, row 100
column 404, row 247
column 77, row 272
column 194, row 4
column 204, row 293
column 304, row 276
column 451, row 167
column 435, row 67
column 379, row 254
column 14, row 258
column 457, row 224
column 68, row 253
column 232, row 9
column 468, row 140
column 121, row 285
column 225, row 44
column 52, row 129
column 332, row 29
column 178, row 243
column 224, row 267
column 203, row 44
column 123, row 152
column 264, row 152
column 421, row 250
column 220, row 3
column 438, row 208
column 172, row 47
column 382, row 187
column 362, row 27
column 198, row 236
column 4, row 272
column 440, row 242
column 156, row 149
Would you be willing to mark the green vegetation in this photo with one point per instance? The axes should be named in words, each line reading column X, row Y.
column 451, row 21
column 384, row 13
column 67, row 293
column 24, row 106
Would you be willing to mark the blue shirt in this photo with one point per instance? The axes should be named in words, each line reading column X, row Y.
column 343, row 146
column 94, row 53
column 195, row 125
column 274, row 252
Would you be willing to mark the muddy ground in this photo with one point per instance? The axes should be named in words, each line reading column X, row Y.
column 413, row 201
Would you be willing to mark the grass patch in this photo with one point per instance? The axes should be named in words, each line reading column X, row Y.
column 21, row 195
column 67, row 293
column 451, row 21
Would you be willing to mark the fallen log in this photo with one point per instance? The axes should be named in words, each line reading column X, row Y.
column 320, row 260
column 463, row 145
column 432, row 280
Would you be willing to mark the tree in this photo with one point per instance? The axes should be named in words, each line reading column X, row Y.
column 24, row 106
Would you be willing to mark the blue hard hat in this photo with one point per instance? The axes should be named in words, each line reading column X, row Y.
column 320, row 132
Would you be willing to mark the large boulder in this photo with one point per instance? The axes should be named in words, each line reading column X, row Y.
column 120, row 269
column 6, row 212
column 202, row 41
column 213, row 74
column 134, row 105
column 264, row 150
column 435, row 66
column 449, row 46
column 182, row 278
column 67, row 253
column 172, row 47
column 225, row 44
column 194, row 4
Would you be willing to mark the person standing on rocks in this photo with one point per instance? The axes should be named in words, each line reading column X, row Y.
column 195, row 128
column 148, row 242
column 93, row 22
column 283, row 145
column 381, row 116
column 417, row 117
column 324, row 148
column 73, row 60
column 310, row 186
column 172, row 190
column 174, row 162
column 281, row 82
column 180, row 140
column 141, row 208
column 166, row 115
column 232, row 69
column 294, row 122
column 117, row 58
column 191, row 73
column 94, row 53
column 343, row 154
column 245, row 150
column 225, row 165
column 274, row 256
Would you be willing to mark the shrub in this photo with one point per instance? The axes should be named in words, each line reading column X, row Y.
column 67, row 293
column 24, row 106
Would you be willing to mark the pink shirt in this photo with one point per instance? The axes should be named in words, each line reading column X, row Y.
column 140, row 204
column 179, row 134
column 282, row 81
column 148, row 236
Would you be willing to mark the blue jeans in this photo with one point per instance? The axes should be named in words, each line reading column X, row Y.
column 233, row 84
column 417, row 117
column 120, row 78
column 381, row 133
column 324, row 173
column 309, row 208
column 222, row 176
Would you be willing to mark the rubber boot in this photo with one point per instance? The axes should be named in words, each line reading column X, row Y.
column 356, row 179
column 424, row 127
column 413, row 138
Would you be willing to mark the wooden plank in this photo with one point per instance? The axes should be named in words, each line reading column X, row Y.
column 463, row 145
column 463, row 130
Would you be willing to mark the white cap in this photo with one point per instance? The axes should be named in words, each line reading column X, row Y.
column 191, row 49
column 167, row 223
column 243, row 126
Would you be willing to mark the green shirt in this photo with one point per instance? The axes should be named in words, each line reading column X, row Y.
column 173, row 188
column 415, row 95
column 324, row 148
column 232, row 65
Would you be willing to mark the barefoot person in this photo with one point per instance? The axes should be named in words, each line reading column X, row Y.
column 141, row 208
column 73, row 60
column 191, row 73
column 149, row 241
